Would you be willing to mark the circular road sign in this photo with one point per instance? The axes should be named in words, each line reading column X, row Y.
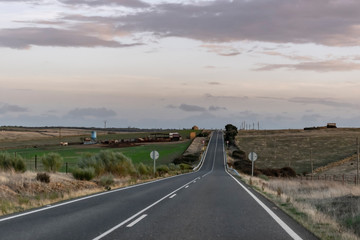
column 252, row 156
column 154, row 155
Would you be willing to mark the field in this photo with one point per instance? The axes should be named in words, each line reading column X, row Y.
column 31, row 144
column 298, row 148
column 330, row 210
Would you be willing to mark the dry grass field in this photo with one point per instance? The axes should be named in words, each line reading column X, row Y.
column 330, row 210
column 296, row 148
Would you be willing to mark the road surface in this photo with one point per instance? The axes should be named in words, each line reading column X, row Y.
column 207, row 204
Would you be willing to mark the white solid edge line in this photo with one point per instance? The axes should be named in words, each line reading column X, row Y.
column 271, row 213
column 138, row 213
column 95, row 195
column 282, row 224
column 137, row 220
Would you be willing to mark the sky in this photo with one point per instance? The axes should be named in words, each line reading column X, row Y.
column 174, row 64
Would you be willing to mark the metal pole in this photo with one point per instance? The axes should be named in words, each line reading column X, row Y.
column 35, row 162
column 153, row 157
column 252, row 164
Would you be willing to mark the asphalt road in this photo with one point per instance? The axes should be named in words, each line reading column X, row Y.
column 207, row 204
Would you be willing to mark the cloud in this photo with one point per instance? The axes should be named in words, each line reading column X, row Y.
column 209, row 67
column 311, row 118
column 124, row 3
column 216, row 108
column 214, row 83
column 320, row 66
column 218, row 22
column 222, row 50
column 192, row 108
column 208, row 95
column 326, row 22
column 292, row 57
column 24, row 38
column 8, row 108
column 321, row 101
column 91, row 113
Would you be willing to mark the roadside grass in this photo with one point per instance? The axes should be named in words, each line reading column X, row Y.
column 330, row 210
column 293, row 148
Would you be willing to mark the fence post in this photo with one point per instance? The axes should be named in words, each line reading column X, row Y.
column 66, row 167
column 35, row 162
column 343, row 179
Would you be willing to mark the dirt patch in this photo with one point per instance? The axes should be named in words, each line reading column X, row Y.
column 196, row 146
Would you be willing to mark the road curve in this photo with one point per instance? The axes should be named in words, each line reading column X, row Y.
column 207, row 204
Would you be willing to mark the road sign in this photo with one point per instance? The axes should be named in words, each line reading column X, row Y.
column 252, row 156
column 154, row 155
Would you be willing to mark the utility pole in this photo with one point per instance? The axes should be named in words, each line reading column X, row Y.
column 275, row 148
column 59, row 134
column 105, row 124
column 312, row 164
column 357, row 171
column 311, row 160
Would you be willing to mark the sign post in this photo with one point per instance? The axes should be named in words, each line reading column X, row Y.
column 154, row 155
column 252, row 156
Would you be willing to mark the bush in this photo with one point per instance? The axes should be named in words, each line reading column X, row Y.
column 173, row 167
column 43, row 177
column 162, row 169
column 115, row 163
column 188, row 159
column 106, row 181
column 184, row 166
column 84, row 173
column 143, row 170
column 11, row 162
column 239, row 154
column 52, row 162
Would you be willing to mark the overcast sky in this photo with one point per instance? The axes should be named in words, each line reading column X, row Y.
column 175, row 64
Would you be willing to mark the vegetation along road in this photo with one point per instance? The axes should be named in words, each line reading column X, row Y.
column 206, row 204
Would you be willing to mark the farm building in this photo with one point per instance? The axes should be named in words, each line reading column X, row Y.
column 174, row 136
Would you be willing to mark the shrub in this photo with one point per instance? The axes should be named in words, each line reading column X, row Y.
column 52, row 162
column 43, row 177
column 162, row 169
column 11, row 162
column 84, row 173
column 106, row 181
column 184, row 166
column 188, row 159
column 143, row 169
column 115, row 163
column 287, row 172
column 239, row 154
column 173, row 167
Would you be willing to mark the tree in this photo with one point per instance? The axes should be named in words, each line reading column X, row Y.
column 230, row 133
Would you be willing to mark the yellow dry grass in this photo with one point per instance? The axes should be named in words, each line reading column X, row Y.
column 301, row 200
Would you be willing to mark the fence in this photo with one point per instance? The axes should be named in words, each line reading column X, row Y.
column 37, row 166
column 343, row 178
